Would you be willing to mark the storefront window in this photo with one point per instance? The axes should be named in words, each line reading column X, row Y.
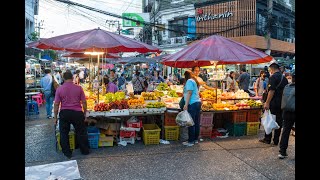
column 180, row 27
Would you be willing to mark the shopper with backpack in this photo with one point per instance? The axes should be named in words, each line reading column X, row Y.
column 289, row 117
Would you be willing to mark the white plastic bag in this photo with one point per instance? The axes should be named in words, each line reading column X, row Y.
column 184, row 119
column 269, row 122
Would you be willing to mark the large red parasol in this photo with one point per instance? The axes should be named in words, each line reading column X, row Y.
column 82, row 55
column 94, row 40
column 215, row 49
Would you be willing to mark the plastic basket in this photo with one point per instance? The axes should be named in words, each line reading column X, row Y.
column 171, row 133
column 170, row 119
column 134, row 124
column 130, row 140
column 151, row 134
column 252, row 128
column 239, row 129
column 206, row 118
column 229, row 126
column 238, row 117
column 253, row 115
column 218, row 123
column 72, row 142
column 206, row 131
column 105, row 140
column 93, row 137
column 127, row 133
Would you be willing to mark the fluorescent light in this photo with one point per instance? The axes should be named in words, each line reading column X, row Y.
column 94, row 53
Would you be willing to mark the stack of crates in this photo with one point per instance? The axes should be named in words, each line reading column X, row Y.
column 171, row 129
column 206, row 125
column 253, row 118
column 128, row 136
column 93, row 137
column 238, row 124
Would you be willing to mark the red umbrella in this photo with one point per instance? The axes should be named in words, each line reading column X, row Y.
column 82, row 55
column 215, row 49
column 95, row 40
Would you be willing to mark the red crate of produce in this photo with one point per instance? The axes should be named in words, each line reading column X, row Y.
column 205, row 131
column 127, row 133
column 206, row 118
column 134, row 124
column 254, row 115
column 170, row 118
column 240, row 116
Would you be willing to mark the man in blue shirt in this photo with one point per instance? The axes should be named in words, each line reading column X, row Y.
column 46, row 84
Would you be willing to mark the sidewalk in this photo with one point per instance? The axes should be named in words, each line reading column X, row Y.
column 231, row 158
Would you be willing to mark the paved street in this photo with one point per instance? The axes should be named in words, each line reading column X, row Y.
column 231, row 158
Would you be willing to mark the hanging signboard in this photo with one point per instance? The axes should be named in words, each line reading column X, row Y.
column 141, row 17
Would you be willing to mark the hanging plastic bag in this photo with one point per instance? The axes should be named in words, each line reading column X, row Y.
column 269, row 122
column 184, row 119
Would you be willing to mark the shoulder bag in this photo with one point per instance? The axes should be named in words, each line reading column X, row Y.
column 265, row 94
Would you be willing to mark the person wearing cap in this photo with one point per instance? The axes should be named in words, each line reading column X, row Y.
column 275, row 87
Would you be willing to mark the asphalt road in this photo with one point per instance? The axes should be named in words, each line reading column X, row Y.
column 230, row 158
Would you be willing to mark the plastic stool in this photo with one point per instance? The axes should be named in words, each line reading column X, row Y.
column 42, row 97
column 38, row 99
column 32, row 108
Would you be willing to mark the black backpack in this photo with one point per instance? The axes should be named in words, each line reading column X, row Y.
column 288, row 98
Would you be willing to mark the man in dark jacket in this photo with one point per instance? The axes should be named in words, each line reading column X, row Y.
column 275, row 87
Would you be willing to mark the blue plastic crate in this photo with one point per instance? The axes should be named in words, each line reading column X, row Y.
column 93, row 137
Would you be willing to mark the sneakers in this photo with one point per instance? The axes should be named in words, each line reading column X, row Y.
column 196, row 141
column 264, row 141
column 282, row 155
column 187, row 144
column 49, row 117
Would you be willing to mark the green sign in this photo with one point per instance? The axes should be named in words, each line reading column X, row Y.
column 141, row 17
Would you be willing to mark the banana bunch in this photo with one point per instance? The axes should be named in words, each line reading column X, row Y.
column 155, row 105
column 253, row 103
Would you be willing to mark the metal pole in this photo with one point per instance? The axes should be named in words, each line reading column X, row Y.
column 270, row 6
column 98, row 75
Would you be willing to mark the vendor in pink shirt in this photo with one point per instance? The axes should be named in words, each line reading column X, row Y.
column 73, row 106
column 110, row 86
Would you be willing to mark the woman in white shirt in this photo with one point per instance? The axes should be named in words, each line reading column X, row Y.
column 232, row 85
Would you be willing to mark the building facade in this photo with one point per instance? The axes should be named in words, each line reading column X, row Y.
column 247, row 21
column 31, row 9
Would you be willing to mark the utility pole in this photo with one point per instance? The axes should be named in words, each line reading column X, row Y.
column 112, row 22
column 270, row 7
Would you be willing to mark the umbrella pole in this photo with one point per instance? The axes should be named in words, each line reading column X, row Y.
column 98, row 76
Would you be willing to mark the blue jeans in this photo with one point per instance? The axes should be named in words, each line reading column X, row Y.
column 49, row 101
column 194, row 131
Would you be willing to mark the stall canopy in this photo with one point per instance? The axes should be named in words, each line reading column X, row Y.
column 82, row 55
column 215, row 50
column 97, row 40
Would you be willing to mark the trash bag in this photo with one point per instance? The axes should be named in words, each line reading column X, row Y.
column 269, row 122
column 184, row 119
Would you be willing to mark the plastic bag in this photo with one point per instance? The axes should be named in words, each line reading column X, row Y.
column 269, row 122
column 184, row 119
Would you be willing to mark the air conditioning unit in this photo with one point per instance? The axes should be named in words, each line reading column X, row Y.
column 173, row 40
column 184, row 39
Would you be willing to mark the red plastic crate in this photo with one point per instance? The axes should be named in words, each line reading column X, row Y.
column 254, row 115
column 240, row 116
column 127, row 133
column 170, row 119
column 205, row 131
column 134, row 124
column 206, row 118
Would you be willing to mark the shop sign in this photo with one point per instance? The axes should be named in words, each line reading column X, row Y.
column 208, row 16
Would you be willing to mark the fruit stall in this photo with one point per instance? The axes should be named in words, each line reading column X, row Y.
column 125, row 118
